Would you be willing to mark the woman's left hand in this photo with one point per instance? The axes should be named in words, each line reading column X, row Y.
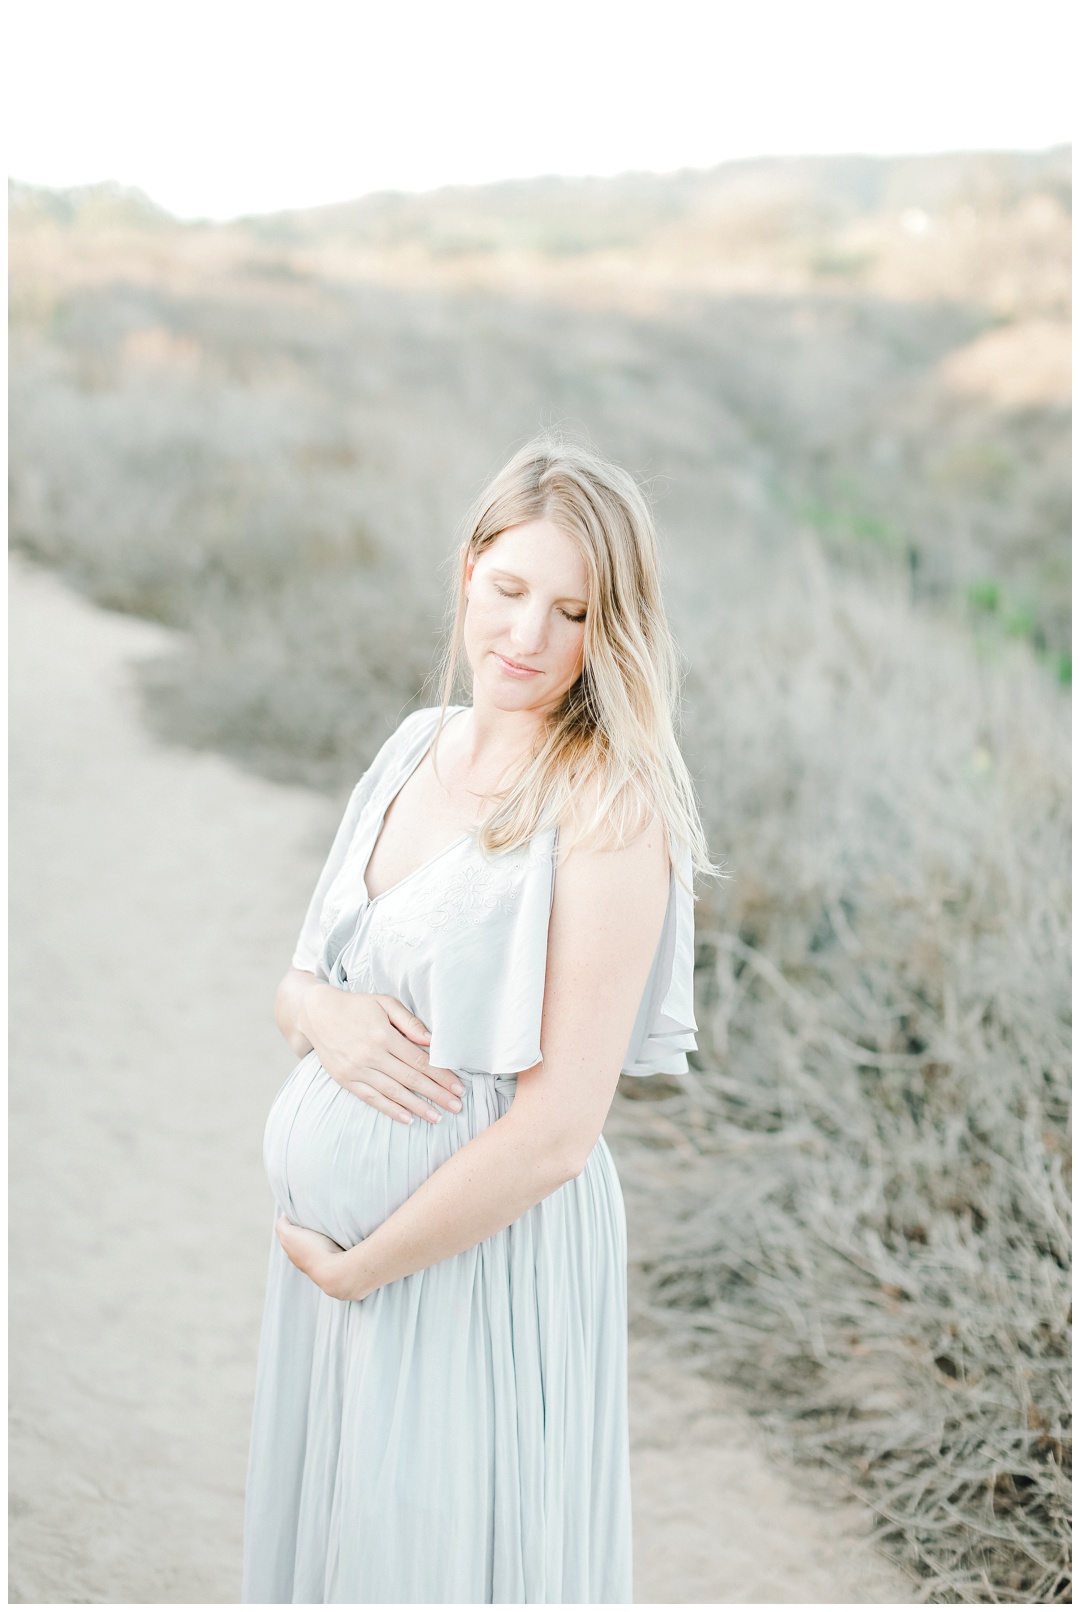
column 319, row 1257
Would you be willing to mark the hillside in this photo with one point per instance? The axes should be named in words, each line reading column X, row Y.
column 875, row 350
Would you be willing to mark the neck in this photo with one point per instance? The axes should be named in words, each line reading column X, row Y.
column 492, row 741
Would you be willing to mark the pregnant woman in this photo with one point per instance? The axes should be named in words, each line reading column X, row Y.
column 504, row 923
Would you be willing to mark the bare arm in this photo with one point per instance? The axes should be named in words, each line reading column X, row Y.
column 605, row 925
column 288, row 1005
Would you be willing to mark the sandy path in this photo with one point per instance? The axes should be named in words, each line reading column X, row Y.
column 155, row 896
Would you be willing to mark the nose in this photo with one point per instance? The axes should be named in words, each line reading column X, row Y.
column 529, row 631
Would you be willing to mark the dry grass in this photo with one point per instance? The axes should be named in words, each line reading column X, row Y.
column 857, row 1204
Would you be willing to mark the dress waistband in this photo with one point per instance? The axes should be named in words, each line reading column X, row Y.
column 503, row 1083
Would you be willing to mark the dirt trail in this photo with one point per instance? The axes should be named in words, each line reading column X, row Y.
column 155, row 897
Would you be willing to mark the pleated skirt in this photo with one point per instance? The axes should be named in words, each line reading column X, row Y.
column 459, row 1435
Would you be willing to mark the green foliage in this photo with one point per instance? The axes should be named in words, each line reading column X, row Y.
column 1020, row 623
column 985, row 596
column 846, row 517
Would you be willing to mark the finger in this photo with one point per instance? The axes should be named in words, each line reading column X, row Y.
column 403, row 1051
column 421, row 1082
column 395, row 1091
column 445, row 1078
column 406, row 1022
column 385, row 1105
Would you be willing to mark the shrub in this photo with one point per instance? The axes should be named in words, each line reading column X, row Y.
column 856, row 1205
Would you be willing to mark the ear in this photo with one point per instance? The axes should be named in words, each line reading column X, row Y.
column 470, row 566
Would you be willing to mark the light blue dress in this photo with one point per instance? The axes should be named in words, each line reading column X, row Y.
column 461, row 1434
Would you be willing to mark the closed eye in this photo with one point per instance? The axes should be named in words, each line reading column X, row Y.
column 507, row 593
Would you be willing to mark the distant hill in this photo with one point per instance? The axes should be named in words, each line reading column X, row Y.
column 992, row 227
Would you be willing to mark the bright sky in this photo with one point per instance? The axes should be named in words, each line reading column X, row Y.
column 220, row 107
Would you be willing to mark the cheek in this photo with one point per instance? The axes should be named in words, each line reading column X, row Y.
column 572, row 655
column 484, row 620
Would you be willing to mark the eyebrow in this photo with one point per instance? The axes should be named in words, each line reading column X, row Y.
column 512, row 576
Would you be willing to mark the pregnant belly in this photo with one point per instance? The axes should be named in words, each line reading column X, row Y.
column 339, row 1166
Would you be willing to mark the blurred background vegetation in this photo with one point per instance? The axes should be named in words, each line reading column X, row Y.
column 845, row 383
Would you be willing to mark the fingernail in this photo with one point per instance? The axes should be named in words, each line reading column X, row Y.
column 455, row 1106
column 435, row 1116
column 458, row 1090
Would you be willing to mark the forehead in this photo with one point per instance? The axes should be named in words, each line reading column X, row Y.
column 539, row 551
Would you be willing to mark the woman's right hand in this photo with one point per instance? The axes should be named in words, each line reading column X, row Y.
column 370, row 1044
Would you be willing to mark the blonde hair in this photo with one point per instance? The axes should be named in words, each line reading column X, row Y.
column 611, row 739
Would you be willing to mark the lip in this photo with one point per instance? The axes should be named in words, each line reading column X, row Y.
column 512, row 669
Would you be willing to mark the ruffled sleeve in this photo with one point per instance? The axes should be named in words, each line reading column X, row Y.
column 484, row 990
column 309, row 946
column 310, row 942
column 665, row 1028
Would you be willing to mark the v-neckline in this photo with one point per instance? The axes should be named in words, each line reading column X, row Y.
column 371, row 900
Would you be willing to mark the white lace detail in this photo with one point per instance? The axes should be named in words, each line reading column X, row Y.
column 472, row 893
column 454, row 901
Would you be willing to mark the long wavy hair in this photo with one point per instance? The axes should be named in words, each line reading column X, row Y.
column 611, row 741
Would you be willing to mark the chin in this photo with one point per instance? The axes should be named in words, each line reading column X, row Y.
column 507, row 694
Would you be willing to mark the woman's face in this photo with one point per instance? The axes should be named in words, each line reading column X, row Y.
column 525, row 617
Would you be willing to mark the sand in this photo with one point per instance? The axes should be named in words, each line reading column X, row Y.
column 155, row 897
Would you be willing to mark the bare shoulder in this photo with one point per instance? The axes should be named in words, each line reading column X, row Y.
column 621, row 862
column 603, row 828
column 607, row 915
